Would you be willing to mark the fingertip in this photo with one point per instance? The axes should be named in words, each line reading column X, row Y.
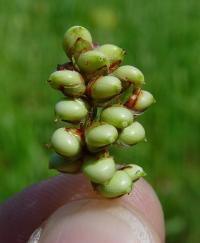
column 94, row 220
column 30, row 208
column 144, row 199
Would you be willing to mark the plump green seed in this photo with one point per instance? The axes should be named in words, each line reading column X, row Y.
column 114, row 53
column 64, row 164
column 79, row 47
column 144, row 100
column 134, row 171
column 71, row 110
column 92, row 61
column 66, row 142
column 70, row 82
column 117, row 116
column 118, row 185
column 73, row 34
column 129, row 74
column 100, row 136
column 99, row 170
column 76, row 91
column 105, row 87
column 132, row 134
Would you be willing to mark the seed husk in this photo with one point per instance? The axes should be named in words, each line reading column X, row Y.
column 91, row 61
column 67, row 142
column 74, row 34
column 132, row 134
column 63, row 164
column 118, row 116
column 71, row 110
column 98, row 170
column 105, row 88
column 100, row 136
column 134, row 171
column 118, row 185
column 130, row 74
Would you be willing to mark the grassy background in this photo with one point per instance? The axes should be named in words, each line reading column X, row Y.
column 161, row 38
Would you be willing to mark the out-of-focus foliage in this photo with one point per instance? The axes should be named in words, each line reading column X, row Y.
column 161, row 38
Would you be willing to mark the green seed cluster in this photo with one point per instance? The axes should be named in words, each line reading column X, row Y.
column 101, row 102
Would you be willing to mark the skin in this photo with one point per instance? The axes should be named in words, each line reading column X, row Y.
column 139, row 215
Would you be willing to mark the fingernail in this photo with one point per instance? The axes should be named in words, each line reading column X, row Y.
column 34, row 238
column 98, row 221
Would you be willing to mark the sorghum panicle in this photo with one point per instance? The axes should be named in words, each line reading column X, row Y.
column 94, row 84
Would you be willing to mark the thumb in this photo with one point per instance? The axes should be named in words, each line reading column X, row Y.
column 99, row 220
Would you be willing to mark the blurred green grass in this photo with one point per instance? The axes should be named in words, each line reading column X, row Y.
column 161, row 38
